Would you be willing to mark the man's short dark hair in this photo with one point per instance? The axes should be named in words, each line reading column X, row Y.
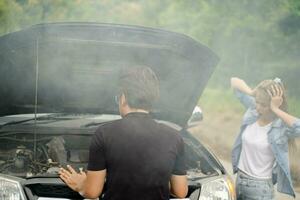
column 140, row 86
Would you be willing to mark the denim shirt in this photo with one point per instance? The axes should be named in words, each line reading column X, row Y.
column 278, row 137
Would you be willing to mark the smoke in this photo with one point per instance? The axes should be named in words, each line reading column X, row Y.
column 78, row 66
column 74, row 67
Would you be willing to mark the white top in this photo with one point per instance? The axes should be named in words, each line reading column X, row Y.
column 256, row 158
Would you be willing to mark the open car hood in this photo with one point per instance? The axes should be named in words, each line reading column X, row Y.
column 74, row 68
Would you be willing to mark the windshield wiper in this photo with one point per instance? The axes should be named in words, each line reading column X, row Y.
column 93, row 124
column 44, row 117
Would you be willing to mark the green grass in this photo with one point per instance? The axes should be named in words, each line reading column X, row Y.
column 224, row 100
column 219, row 100
column 294, row 106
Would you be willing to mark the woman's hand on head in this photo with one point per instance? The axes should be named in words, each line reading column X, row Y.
column 275, row 93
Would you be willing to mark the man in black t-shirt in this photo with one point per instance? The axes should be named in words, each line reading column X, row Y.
column 135, row 156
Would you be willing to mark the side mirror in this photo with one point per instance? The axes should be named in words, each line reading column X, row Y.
column 196, row 118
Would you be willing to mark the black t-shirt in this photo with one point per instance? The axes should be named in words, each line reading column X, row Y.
column 140, row 155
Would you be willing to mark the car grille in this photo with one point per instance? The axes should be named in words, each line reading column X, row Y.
column 53, row 191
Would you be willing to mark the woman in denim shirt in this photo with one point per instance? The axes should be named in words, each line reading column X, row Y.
column 260, row 153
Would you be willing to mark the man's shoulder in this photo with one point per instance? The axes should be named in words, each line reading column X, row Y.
column 108, row 125
column 168, row 128
column 112, row 127
column 173, row 132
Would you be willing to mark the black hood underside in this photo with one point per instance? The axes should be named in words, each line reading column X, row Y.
column 74, row 68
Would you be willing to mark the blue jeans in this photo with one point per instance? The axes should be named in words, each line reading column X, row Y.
column 250, row 188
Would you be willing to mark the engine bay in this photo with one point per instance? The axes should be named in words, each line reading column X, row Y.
column 22, row 157
column 39, row 158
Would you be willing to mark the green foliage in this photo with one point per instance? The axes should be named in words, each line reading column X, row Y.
column 294, row 106
column 294, row 6
column 216, row 100
column 255, row 39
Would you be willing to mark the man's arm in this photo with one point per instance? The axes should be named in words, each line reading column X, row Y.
column 94, row 184
column 179, row 186
column 178, row 179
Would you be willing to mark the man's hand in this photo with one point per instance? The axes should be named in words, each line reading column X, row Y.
column 73, row 179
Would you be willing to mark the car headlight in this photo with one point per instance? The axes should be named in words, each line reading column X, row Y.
column 10, row 189
column 221, row 189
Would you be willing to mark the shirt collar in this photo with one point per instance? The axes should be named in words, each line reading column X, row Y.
column 277, row 123
column 139, row 114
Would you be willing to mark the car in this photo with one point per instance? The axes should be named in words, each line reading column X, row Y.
column 58, row 82
column 196, row 117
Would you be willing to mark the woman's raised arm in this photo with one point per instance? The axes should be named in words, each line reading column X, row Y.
column 241, row 85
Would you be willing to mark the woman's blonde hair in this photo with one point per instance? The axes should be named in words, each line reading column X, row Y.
column 266, row 85
column 263, row 88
